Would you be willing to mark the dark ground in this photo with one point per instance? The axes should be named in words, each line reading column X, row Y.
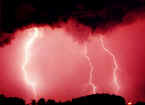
column 96, row 99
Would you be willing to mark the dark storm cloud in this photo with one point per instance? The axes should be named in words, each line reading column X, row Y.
column 95, row 14
column 5, row 38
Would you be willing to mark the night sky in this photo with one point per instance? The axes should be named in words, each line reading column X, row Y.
column 57, row 62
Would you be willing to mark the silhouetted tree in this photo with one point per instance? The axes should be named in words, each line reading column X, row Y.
column 41, row 101
column 33, row 102
column 15, row 101
column 51, row 102
column 140, row 103
column 2, row 100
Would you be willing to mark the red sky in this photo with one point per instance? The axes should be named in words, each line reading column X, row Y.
column 61, row 71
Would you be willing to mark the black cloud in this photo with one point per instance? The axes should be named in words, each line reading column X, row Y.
column 96, row 14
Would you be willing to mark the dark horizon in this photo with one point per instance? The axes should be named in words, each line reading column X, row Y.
column 102, row 99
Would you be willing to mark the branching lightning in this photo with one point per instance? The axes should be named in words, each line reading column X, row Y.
column 27, row 50
column 91, row 70
column 115, row 68
column 27, row 57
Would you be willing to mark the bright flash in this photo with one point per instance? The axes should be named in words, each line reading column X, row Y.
column 27, row 54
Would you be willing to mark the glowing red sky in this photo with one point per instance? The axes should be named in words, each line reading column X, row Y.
column 61, row 71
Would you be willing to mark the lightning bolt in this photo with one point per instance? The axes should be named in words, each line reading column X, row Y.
column 115, row 68
column 27, row 50
column 91, row 69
